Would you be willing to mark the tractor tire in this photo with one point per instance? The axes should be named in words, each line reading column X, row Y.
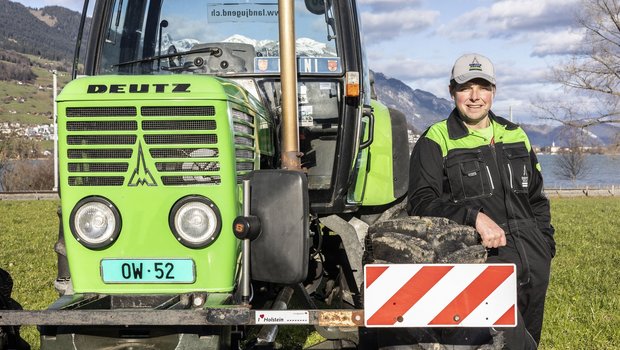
column 417, row 240
column 6, row 287
column 9, row 335
column 6, row 284
column 3, row 339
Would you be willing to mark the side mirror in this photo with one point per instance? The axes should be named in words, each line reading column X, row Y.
column 280, row 253
column 316, row 6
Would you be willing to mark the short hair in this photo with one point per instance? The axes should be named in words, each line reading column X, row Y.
column 454, row 85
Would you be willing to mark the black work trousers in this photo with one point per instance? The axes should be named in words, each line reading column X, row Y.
column 531, row 252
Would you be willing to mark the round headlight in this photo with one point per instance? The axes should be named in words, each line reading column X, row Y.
column 95, row 222
column 195, row 221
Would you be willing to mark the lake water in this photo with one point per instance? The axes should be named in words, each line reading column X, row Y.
column 602, row 171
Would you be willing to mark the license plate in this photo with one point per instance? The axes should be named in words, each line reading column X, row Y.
column 148, row 271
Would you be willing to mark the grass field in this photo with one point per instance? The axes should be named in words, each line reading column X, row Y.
column 31, row 105
column 582, row 304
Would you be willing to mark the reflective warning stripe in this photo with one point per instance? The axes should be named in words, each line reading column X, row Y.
column 472, row 296
column 427, row 295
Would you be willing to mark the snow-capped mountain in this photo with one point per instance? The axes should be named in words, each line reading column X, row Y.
column 181, row 45
column 305, row 46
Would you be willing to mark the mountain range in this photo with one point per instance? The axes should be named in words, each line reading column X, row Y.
column 51, row 31
column 423, row 109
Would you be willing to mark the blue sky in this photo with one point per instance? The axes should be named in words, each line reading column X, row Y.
column 417, row 42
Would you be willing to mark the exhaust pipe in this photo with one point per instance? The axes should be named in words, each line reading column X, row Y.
column 290, row 155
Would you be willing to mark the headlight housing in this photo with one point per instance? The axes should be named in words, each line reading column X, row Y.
column 95, row 222
column 195, row 221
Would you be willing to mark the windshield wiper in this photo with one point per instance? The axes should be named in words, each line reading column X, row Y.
column 214, row 51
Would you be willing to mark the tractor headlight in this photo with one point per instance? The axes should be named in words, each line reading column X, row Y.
column 95, row 222
column 195, row 221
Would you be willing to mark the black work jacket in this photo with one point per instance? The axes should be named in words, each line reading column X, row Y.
column 455, row 173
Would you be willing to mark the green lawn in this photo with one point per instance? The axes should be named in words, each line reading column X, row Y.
column 582, row 305
column 28, row 231
column 583, row 299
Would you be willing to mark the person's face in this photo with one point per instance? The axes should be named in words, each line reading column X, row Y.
column 473, row 100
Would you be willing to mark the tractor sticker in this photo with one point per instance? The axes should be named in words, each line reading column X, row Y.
column 252, row 11
column 282, row 317
column 310, row 65
column 305, row 116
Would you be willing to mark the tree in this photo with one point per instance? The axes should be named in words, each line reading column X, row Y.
column 21, row 168
column 571, row 163
column 595, row 72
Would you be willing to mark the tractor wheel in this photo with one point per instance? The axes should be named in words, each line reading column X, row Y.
column 6, row 284
column 3, row 339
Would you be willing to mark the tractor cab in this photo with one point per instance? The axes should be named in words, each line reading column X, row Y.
column 239, row 42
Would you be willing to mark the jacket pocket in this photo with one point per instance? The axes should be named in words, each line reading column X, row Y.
column 469, row 175
column 518, row 167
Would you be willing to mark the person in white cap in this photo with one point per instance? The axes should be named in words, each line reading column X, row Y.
column 479, row 169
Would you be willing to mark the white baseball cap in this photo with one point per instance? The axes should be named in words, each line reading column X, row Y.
column 472, row 66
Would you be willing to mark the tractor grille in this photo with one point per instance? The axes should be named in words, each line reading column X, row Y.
column 100, row 149
column 102, row 126
column 243, row 126
column 101, row 112
column 178, row 111
column 182, row 142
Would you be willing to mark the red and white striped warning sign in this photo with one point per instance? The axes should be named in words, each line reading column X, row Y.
column 440, row 295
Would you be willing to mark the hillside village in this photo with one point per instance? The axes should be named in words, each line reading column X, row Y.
column 37, row 132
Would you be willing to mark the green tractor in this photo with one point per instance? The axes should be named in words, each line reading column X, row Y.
column 212, row 158
column 223, row 170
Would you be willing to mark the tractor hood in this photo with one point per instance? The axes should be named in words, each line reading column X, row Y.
column 149, row 87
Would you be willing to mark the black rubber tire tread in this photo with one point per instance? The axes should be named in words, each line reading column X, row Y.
column 414, row 240
column 6, row 284
column 468, row 255
column 399, row 248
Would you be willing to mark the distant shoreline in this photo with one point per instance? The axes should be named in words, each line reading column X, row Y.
column 596, row 191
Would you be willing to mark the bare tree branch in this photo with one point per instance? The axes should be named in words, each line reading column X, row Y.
column 571, row 163
column 595, row 72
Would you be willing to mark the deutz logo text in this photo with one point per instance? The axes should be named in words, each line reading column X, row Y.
column 136, row 88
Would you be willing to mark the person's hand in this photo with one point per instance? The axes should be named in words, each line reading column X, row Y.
column 492, row 235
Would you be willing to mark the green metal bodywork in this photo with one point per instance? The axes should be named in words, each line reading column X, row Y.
column 115, row 156
column 379, row 186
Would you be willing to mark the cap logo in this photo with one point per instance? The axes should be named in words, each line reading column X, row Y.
column 475, row 65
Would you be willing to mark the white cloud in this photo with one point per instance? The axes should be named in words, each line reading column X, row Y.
column 389, row 25
column 389, row 19
column 558, row 43
column 405, row 68
column 510, row 18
